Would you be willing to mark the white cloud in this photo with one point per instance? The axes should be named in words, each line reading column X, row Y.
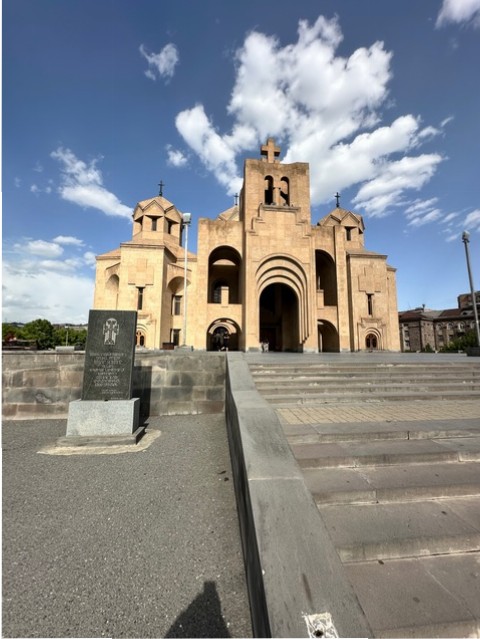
column 420, row 205
column 89, row 258
column 472, row 221
column 46, row 293
column 83, row 185
column 162, row 63
column 41, row 248
column 69, row 240
column 425, row 218
column 456, row 11
column 323, row 109
column 175, row 157
column 386, row 189
column 17, row 182
column 214, row 151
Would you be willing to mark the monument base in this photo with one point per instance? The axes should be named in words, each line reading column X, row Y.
column 92, row 418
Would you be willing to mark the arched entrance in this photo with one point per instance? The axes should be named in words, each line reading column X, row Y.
column 223, row 335
column 371, row 342
column 279, row 318
column 328, row 341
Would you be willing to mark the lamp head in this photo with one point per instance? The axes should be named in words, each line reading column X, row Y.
column 187, row 218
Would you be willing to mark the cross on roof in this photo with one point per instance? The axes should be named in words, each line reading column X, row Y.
column 270, row 151
column 161, row 185
column 337, row 195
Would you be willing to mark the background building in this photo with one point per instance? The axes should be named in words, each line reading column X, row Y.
column 263, row 273
column 422, row 328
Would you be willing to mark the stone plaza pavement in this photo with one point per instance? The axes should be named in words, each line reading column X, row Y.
column 413, row 411
column 122, row 544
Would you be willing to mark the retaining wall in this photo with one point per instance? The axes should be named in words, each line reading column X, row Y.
column 295, row 579
column 41, row 384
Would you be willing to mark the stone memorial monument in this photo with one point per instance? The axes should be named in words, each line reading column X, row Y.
column 107, row 407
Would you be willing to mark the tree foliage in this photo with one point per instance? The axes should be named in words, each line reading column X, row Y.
column 45, row 334
column 461, row 343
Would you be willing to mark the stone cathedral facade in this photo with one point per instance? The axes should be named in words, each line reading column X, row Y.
column 263, row 273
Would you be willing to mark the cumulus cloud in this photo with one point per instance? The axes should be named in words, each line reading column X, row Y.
column 175, row 157
column 42, row 248
column 50, row 279
column 162, row 63
column 322, row 108
column 459, row 11
column 47, row 292
column 83, row 185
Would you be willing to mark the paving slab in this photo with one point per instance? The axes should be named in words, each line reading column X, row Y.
column 141, row 544
column 368, row 431
column 425, row 597
column 406, row 529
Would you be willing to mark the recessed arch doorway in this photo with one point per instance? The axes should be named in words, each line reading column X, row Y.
column 279, row 318
column 371, row 342
column 328, row 341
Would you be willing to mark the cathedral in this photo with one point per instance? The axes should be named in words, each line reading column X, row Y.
column 264, row 277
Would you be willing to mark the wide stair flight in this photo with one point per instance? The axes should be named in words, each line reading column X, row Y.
column 391, row 455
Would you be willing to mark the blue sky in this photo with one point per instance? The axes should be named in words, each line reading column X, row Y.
column 102, row 99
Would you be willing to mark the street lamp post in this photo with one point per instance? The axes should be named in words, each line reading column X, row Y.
column 187, row 218
column 466, row 241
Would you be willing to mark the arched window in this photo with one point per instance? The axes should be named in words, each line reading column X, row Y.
column 224, row 270
column 140, row 338
column 285, row 191
column 269, row 190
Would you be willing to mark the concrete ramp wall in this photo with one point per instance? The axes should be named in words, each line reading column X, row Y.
column 297, row 584
column 41, row 384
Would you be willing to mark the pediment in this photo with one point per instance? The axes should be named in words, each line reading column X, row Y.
column 342, row 217
column 229, row 215
column 158, row 207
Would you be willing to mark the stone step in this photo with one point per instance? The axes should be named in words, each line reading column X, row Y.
column 422, row 597
column 293, row 399
column 385, row 484
column 356, row 371
column 386, row 452
column 360, row 369
column 404, row 529
column 370, row 431
column 366, row 387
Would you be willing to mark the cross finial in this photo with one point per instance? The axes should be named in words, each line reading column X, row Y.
column 270, row 151
column 236, row 199
column 337, row 196
column 161, row 185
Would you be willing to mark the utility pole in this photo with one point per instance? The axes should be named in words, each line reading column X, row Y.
column 466, row 241
column 187, row 218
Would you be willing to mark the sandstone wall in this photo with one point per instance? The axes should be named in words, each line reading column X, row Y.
column 41, row 384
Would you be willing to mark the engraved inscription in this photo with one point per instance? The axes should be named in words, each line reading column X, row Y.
column 109, row 355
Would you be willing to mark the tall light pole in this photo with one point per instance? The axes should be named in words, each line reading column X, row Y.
column 466, row 241
column 187, row 218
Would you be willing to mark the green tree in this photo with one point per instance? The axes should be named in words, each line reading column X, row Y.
column 461, row 343
column 10, row 331
column 40, row 330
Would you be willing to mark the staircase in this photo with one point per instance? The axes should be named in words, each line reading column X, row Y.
column 391, row 455
column 283, row 384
